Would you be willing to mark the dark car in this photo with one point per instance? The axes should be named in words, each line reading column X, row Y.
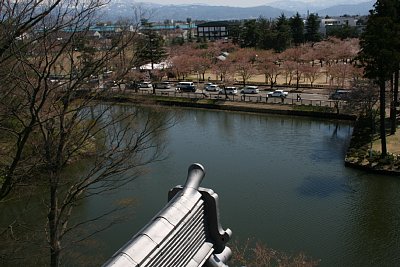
column 185, row 87
column 162, row 85
column 340, row 95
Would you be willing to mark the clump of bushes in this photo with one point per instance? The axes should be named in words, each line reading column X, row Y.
column 256, row 254
column 373, row 159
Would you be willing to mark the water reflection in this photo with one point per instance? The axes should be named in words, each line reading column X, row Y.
column 322, row 187
column 280, row 180
column 375, row 233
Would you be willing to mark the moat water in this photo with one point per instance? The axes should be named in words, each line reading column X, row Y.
column 281, row 181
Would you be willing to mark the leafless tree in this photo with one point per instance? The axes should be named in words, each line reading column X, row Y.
column 363, row 98
column 311, row 72
column 295, row 56
column 49, row 116
column 244, row 63
column 223, row 69
column 268, row 65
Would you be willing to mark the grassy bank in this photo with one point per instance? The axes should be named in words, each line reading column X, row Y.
column 364, row 153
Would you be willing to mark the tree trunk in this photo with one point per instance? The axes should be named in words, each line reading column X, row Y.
column 53, row 227
column 392, row 107
column 394, row 103
column 382, row 105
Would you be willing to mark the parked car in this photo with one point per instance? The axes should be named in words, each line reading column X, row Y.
column 107, row 73
column 212, row 87
column 230, row 90
column 339, row 94
column 250, row 90
column 278, row 93
column 145, row 85
column 186, row 87
column 207, row 84
column 162, row 85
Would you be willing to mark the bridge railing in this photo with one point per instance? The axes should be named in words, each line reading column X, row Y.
column 186, row 232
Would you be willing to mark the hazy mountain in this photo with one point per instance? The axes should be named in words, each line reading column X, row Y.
column 354, row 9
column 202, row 12
column 124, row 9
column 298, row 6
column 196, row 12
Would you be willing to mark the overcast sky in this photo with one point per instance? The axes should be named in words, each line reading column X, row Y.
column 243, row 3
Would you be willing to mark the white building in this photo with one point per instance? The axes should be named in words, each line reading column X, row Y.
column 336, row 22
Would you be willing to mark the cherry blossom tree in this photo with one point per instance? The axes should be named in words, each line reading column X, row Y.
column 200, row 65
column 296, row 55
column 244, row 63
column 289, row 70
column 223, row 69
column 311, row 72
column 180, row 66
column 268, row 65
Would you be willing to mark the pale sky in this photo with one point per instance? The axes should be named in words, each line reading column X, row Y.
column 246, row 3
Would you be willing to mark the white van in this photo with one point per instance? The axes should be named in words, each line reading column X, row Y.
column 186, row 87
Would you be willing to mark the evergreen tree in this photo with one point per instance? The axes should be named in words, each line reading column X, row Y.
column 249, row 34
column 234, row 32
column 265, row 36
column 297, row 28
column 189, row 21
column 342, row 32
column 380, row 52
column 282, row 34
column 312, row 27
column 151, row 46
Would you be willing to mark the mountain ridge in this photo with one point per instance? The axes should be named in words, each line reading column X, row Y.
column 160, row 12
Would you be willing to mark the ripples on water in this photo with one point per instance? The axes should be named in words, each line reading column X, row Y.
column 322, row 187
column 281, row 180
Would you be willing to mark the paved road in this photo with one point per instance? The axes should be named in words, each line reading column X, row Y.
column 263, row 94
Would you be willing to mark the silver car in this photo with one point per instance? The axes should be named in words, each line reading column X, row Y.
column 145, row 85
column 212, row 87
column 250, row 90
column 278, row 93
column 229, row 90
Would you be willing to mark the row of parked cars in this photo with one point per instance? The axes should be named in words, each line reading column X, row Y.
column 250, row 89
column 231, row 90
column 181, row 86
column 211, row 87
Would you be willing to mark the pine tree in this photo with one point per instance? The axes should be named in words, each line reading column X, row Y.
column 249, row 34
column 312, row 27
column 282, row 34
column 297, row 29
column 380, row 54
column 151, row 47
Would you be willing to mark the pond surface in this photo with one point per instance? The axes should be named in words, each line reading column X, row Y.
column 281, row 180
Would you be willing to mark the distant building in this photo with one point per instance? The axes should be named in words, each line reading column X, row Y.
column 215, row 30
column 338, row 22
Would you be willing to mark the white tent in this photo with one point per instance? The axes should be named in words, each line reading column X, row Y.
column 158, row 66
